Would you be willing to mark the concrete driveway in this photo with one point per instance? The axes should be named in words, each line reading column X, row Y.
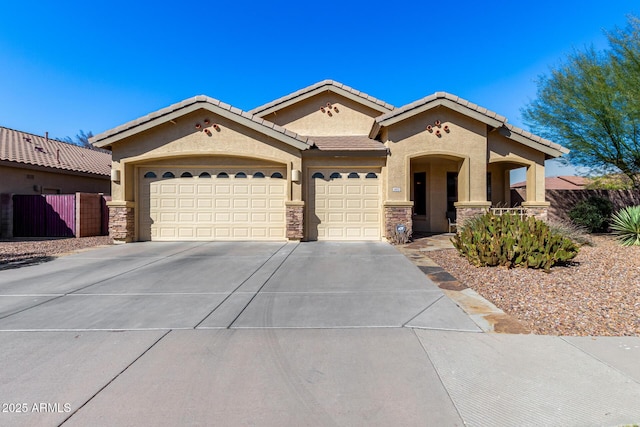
column 282, row 334
column 226, row 285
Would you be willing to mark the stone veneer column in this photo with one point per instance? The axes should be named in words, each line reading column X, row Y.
column 121, row 221
column 538, row 210
column 397, row 213
column 295, row 220
column 467, row 210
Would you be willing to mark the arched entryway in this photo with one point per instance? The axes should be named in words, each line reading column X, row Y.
column 437, row 183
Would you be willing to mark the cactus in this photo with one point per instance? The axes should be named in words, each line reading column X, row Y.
column 511, row 241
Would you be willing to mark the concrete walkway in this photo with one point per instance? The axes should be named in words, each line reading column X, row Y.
column 283, row 334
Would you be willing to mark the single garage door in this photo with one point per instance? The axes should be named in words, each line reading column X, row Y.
column 345, row 205
column 212, row 204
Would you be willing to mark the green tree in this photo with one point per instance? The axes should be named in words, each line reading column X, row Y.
column 591, row 105
column 82, row 139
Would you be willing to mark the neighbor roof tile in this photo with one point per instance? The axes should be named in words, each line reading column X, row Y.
column 30, row 149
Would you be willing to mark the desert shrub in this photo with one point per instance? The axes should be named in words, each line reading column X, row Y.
column 511, row 241
column 593, row 214
column 626, row 224
column 571, row 230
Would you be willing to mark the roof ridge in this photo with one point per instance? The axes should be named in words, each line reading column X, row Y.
column 191, row 101
column 44, row 137
column 441, row 95
column 30, row 149
column 317, row 85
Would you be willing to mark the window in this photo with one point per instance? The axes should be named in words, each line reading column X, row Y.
column 168, row 175
column 186, row 175
column 335, row 175
column 241, row 175
column 205, row 175
column 489, row 187
column 276, row 175
column 353, row 175
column 258, row 175
column 317, row 175
column 371, row 175
column 150, row 175
column 223, row 175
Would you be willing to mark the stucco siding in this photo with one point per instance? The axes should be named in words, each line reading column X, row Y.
column 410, row 139
column 20, row 180
column 346, row 117
column 182, row 140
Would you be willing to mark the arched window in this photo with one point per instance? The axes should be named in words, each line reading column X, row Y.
column 223, row 175
column 186, row 175
column 318, row 175
column 276, row 175
column 353, row 175
column 258, row 175
column 168, row 175
column 335, row 175
column 150, row 175
column 205, row 175
column 241, row 175
column 371, row 175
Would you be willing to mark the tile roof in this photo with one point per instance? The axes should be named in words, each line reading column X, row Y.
column 440, row 96
column 239, row 115
column 535, row 138
column 493, row 118
column 347, row 143
column 30, row 149
column 329, row 84
column 560, row 183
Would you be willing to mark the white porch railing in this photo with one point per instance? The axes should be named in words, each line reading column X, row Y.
column 515, row 211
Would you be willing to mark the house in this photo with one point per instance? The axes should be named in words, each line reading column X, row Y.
column 33, row 164
column 558, row 183
column 327, row 162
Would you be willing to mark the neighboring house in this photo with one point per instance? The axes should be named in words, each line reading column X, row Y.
column 559, row 183
column 32, row 164
column 326, row 162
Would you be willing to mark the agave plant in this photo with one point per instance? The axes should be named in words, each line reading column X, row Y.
column 626, row 224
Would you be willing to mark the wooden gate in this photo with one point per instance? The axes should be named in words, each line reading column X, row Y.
column 46, row 215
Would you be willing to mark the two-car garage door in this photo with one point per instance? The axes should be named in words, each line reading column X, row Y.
column 212, row 204
column 178, row 203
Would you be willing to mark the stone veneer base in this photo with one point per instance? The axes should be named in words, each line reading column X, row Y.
column 295, row 221
column 121, row 223
column 397, row 214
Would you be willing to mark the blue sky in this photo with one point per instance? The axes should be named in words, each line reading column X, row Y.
column 66, row 66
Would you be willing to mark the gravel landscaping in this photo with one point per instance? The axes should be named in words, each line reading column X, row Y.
column 19, row 252
column 598, row 295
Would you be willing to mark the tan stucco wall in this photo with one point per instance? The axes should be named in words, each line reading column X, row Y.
column 18, row 180
column 306, row 118
column 181, row 143
column 466, row 143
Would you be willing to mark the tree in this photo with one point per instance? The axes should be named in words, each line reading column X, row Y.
column 591, row 105
column 82, row 139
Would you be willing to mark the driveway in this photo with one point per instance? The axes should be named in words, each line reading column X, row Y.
column 215, row 285
column 282, row 334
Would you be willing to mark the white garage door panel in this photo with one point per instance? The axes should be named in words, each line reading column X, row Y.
column 343, row 208
column 211, row 208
